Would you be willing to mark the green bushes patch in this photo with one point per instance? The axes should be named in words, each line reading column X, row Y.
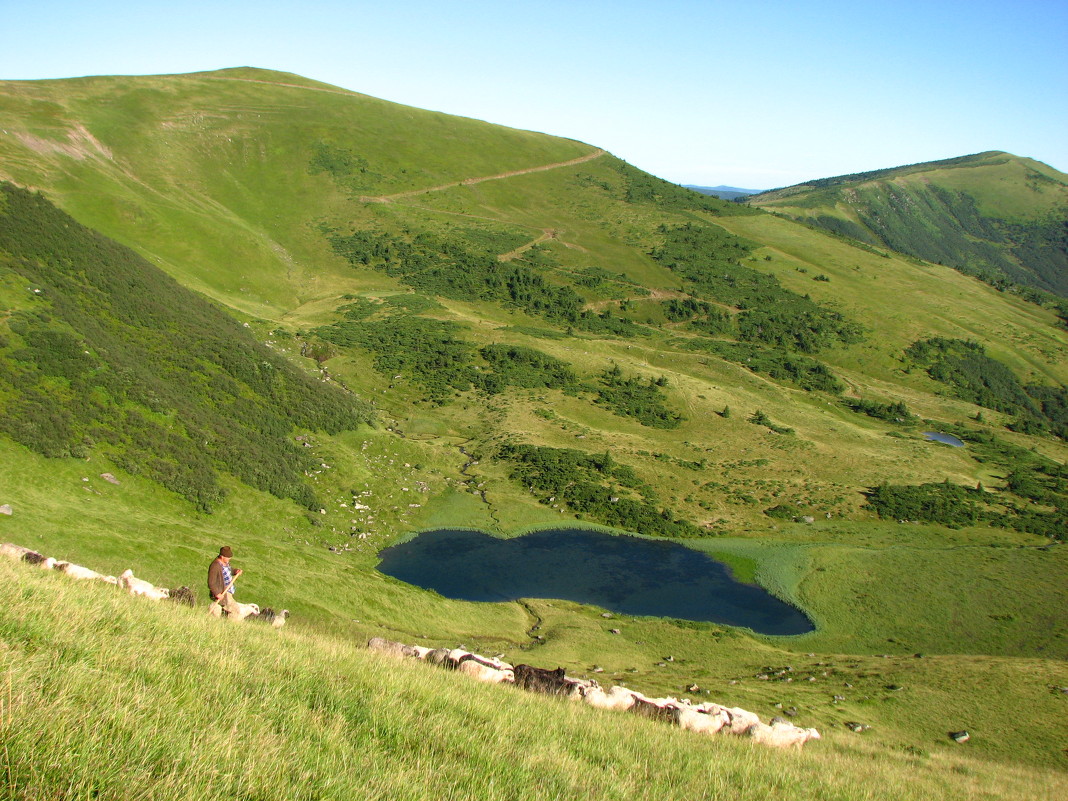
column 641, row 187
column 977, row 378
column 780, row 365
column 896, row 412
column 706, row 257
column 1033, row 498
column 949, row 504
column 633, row 397
column 448, row 267
column 514, row 365
column 347, row 168
column 433, row 354
column 112, row 355
column 424, row 351
column 593, row 485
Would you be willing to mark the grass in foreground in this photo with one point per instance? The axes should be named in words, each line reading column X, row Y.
column 108, row 697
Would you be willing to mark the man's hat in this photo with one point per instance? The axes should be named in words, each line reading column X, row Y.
column 225, row 551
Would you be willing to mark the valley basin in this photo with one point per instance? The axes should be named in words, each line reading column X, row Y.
column 620, row 573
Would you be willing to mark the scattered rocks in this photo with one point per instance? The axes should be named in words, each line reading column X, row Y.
column 614, row 631
column 852, row 725
column 606, row 615
column 959, row 736
column 108, row 477
column 6, row 509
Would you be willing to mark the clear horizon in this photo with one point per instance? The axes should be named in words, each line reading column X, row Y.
column 703, row 93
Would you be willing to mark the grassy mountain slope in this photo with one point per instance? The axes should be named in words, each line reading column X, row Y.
column 110, row 355
column 98, row 679
column 492, row 291
column 992, row 214
column 223, row 193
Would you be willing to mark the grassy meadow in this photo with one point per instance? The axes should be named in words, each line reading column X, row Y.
column 108, row 697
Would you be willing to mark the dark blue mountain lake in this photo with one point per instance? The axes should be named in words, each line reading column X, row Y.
column 949, row 439
column 623, row 574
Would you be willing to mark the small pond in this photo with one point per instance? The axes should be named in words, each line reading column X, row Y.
column 623, row 574
column 948, row 439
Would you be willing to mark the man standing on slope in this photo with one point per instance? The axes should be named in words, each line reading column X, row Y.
column 221, row 580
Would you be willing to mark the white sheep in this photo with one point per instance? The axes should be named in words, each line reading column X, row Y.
column 269, row 616
column 136, row 586
column 19, row 553
column 781, row 735
column 390, row 647
column 482, row 669
column 740, row 720
column 617, row 698
column 80, row 573
column 13, row 551
column 239, row 611
column 701, row 721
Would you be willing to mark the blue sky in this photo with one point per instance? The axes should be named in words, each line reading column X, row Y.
column 756, row 94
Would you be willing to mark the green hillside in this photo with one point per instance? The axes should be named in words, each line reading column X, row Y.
column 108, row 355
column 333, row 321
column 993, row 215
column 109, row 697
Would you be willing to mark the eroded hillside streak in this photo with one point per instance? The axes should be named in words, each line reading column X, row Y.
column 472, row 181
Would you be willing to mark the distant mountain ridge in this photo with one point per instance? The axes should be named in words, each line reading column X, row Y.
column 724, row 192
column 993, row 215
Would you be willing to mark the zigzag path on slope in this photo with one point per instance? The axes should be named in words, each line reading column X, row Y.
column 547, row 234
column 477, row 180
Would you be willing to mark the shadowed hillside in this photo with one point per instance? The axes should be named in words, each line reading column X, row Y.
column 103, row 353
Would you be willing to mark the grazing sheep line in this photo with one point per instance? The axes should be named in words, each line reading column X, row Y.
column 140, row 587
column 706, row 718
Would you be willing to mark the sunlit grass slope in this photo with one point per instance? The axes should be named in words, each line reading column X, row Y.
column 953, row 595
column 110, row 698
column 212, row 174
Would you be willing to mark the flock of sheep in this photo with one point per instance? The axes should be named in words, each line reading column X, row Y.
column 706, row 718
column 140, row 587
